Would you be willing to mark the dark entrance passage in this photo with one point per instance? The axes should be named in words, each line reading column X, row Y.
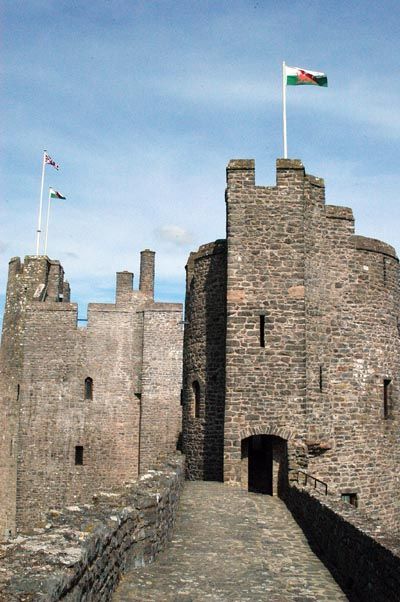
column 260, row 464
column 264, row 464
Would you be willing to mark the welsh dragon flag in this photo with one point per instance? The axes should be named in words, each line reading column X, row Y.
column 54, row 194
column 295, row 76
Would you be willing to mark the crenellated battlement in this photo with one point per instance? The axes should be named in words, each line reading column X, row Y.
column 37, row 278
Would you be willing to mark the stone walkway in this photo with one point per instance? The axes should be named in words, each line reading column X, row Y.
column 232, row 546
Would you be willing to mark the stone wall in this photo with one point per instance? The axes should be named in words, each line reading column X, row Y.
column 265, row 380
column 10, row 375
column 351, row 309
column 309, row 314
column 49, row 419
column 364, row 560
column 37, row 279
column 82, row 551
column 131, row 353
column 161, row 379
column 204, row 361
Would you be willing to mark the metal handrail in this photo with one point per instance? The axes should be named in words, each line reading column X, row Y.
column 309, row 476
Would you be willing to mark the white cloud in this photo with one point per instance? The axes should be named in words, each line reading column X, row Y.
column 174, row 234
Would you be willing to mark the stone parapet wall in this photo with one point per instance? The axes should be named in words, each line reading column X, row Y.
column 83, row 550
column 363, row 558
column 373, row 245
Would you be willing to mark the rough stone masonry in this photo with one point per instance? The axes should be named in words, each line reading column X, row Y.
column 291, row 363
column 292, row 350
column 80, row 553
column 82, row 408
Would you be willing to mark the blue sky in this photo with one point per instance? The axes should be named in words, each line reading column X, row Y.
column 143, row 103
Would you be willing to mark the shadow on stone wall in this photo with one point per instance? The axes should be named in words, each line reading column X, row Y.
column 364, row 560
column 215, row 311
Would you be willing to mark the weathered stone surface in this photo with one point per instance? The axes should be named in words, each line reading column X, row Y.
column 296, row 291
column 364, row 560
column 292, row 357
column 231, row 546
column 82, row 551
column 132, row 351
column 204, row 360
column 327, row 302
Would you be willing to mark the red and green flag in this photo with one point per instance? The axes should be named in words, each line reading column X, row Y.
column 295, row 76
column 54, row 194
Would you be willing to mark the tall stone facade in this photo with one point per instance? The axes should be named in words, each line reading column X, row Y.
column 292, row 350
column 204, row 362
column 82, row 408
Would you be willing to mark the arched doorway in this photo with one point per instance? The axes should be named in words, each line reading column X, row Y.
column 264, row 464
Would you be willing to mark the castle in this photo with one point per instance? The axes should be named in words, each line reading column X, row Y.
column 292, row 349
column 290, row 362
column 82, row 409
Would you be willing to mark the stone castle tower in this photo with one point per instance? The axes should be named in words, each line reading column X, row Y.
column 292, row 350
column 82, row 409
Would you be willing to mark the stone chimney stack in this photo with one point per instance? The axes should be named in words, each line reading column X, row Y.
column 146, row 284
column 124, row 287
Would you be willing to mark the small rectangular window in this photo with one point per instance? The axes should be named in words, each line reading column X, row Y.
column 320, row 379
column 197, row 398
column 79, row 455
column 386, row 397
column 262, row 330
column 384, row 271
column 88, row 388
column 350, row 498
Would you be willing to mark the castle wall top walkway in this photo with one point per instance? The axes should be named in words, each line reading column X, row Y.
column 232, row 545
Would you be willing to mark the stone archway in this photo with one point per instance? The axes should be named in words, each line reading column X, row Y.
column 283, row 433
column 264, row 464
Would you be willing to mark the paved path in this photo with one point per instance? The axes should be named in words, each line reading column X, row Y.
column 232, row 546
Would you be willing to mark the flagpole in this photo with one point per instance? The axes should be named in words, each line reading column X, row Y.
column 38, row 231
column 284, row 109
column 47, row 223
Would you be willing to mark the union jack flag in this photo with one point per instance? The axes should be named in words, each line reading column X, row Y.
column 50, row 161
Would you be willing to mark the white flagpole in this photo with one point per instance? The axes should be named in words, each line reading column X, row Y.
column 38, row 231
column 284, row 109
column 47, row 222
